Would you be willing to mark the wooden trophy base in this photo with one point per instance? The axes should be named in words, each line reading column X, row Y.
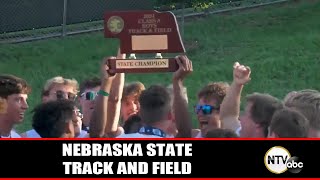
column 143, row 65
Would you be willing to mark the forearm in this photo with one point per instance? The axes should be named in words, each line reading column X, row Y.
column 230, row 107
column 182, row 116
column 114, row 106
column 99, row 117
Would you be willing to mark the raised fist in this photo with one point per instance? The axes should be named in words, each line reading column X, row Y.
column 185, row 68
column 241, row 74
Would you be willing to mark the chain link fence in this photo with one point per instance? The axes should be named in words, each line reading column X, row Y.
column 29, row 20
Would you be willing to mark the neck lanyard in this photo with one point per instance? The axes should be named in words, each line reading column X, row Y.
column 152, row 131
column 85, row 128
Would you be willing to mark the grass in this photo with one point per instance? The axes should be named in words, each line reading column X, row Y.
column 281, row 45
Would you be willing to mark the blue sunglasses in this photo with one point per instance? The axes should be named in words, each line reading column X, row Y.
column 206, row 109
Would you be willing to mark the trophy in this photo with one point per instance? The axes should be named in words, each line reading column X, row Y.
column 144, row 32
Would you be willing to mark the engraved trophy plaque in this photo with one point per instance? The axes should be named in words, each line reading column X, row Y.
column 144, row 32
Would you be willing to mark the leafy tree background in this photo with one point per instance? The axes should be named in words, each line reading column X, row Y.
column 197, row 4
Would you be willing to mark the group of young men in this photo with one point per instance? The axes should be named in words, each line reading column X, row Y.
column 109, row 107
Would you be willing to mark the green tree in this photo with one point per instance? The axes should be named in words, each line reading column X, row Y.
column 177, row 4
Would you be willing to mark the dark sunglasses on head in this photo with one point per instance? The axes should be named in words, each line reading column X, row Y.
column 206, row 109
column 70, row 96
column 90, row 95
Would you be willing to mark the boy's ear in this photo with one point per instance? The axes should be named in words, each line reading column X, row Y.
column 3, row 105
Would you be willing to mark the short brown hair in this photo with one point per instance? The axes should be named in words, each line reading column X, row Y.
column 10, row 84
column 288, row 123
column 132, row 89
column 262, row 109
column 298, row 94
column 216, row 90
column 307, row 102
column 155, row 103
column 89, row 83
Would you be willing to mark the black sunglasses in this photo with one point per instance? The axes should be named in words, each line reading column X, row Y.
column 61, row 95
column 206, row 109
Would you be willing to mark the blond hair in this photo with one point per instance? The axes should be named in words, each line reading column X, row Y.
column 59, row 80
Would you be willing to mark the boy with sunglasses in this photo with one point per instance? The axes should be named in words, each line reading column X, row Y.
column 88, row 92
column 209, row 100
column 56, row 88
column 59, row 88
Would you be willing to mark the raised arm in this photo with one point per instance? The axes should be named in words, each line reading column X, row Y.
column 230, row 107
column 182, row 115
column 99, row 116
column 114, row 104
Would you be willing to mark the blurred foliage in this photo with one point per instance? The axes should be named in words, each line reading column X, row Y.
column 196, row 4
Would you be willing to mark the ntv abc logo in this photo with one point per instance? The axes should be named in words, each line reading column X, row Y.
column 278, row 160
